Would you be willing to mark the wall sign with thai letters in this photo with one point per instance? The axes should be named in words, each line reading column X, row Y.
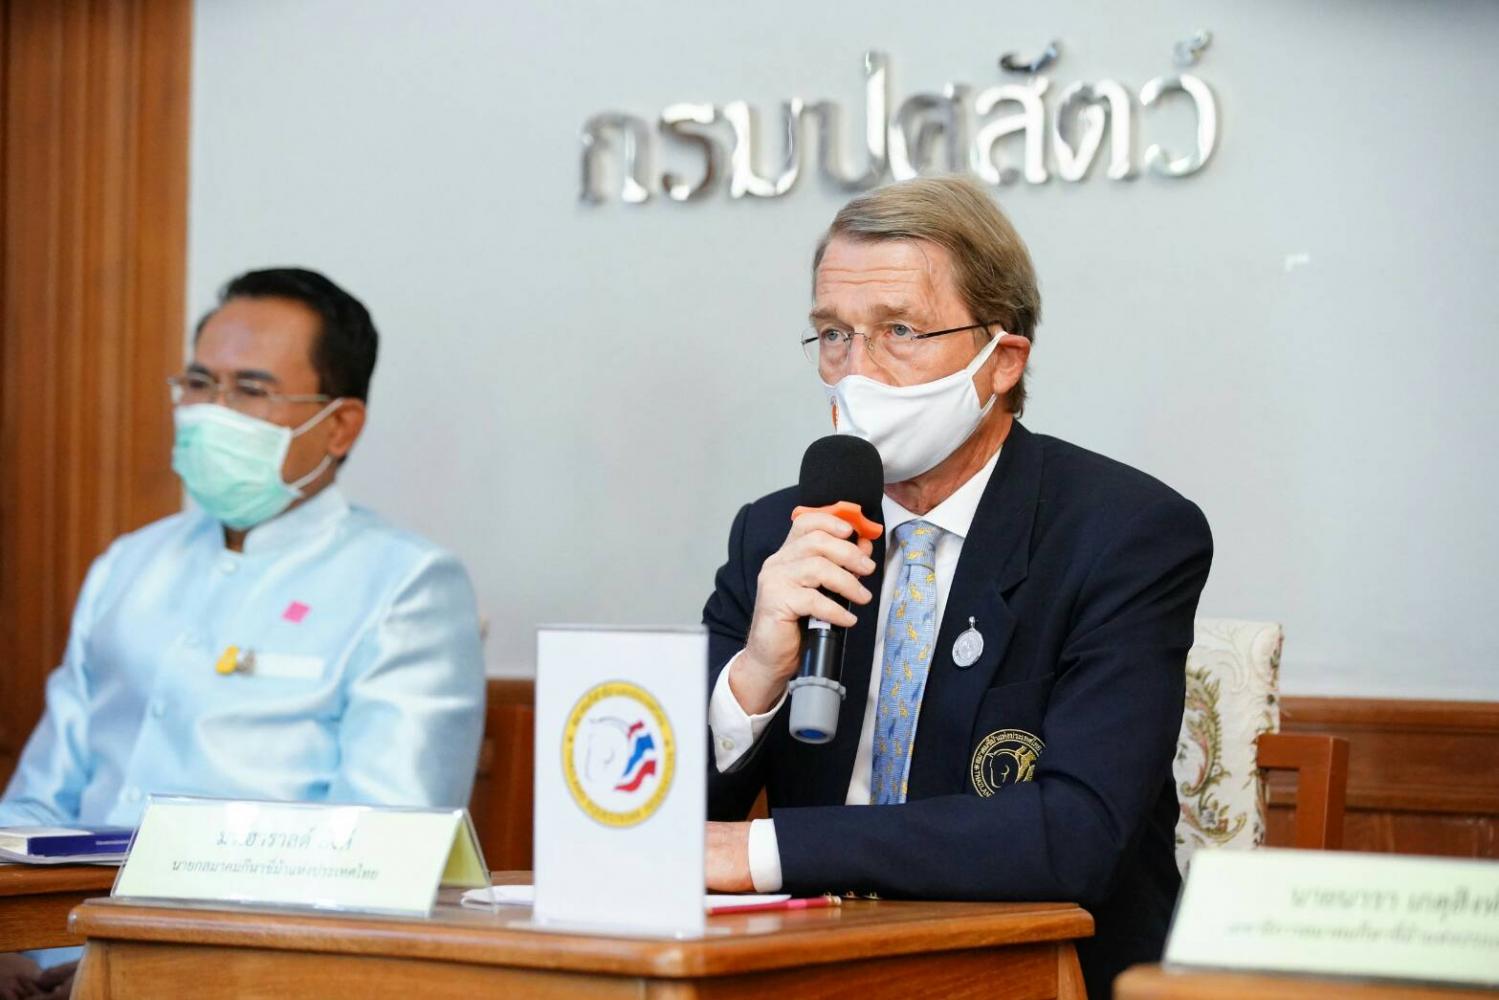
column 1000, row 134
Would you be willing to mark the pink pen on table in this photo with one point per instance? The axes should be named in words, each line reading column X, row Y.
column 808, row 903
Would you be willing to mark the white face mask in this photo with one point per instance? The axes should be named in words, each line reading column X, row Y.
column 913, row 427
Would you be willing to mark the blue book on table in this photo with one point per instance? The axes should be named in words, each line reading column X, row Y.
column 61, row 841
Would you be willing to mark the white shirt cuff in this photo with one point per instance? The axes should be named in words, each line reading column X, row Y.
column 734, row 730
column 764, row 856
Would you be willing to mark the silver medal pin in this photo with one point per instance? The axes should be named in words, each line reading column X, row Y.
column 968, row 647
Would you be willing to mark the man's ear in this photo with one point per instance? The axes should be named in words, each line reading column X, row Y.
column 1009, row 360
column 348, row 422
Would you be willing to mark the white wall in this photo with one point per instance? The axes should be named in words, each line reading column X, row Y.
column 577, row 399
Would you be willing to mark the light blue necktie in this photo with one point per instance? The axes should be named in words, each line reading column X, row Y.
column 910, row 635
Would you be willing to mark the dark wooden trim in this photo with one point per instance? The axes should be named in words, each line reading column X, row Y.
column 1406, row 714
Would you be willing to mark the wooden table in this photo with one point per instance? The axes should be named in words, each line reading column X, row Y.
column 866, row 948
column 35, row 900
column 1151, row 982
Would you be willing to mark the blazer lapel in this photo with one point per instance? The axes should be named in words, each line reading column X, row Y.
column 994, row 560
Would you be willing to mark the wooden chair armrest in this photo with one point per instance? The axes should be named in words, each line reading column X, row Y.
column 1321, row 766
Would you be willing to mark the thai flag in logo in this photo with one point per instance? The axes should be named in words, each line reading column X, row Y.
column 641, row 762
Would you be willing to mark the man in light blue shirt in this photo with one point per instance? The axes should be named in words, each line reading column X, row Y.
column 272, row 642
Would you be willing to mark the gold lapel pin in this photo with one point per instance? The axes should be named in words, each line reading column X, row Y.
column 234, row 660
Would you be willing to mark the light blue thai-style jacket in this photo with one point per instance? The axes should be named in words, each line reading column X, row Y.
column 359, row 672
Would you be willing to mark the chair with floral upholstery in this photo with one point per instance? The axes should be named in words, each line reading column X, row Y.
column 1231, row 735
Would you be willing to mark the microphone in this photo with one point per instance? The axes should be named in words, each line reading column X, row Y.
column 841, row 475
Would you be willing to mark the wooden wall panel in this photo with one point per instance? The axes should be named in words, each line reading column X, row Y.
column 93, row 195
column 1423, row 776
column 501, row 803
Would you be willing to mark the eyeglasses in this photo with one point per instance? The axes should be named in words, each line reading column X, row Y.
column 246, row 395
column 829, row 347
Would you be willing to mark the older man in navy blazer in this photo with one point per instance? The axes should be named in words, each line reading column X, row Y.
column 1016, row 642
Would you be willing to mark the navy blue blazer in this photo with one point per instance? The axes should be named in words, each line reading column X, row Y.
column 1043, row 770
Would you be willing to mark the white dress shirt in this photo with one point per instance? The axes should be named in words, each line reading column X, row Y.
column 367, row 681
column 735, row 732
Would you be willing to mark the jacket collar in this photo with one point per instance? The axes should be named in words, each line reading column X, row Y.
column 298, row 524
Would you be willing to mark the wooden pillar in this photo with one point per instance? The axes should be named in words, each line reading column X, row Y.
column 93, row 203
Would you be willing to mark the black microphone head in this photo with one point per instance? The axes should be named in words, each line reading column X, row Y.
column 843, row 467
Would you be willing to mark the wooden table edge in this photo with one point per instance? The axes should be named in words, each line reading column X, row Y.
column 1061, row 923
column 41, row 880
column 35, row 900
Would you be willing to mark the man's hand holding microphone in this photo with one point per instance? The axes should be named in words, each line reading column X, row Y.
column 804, row 597
column 821, row 553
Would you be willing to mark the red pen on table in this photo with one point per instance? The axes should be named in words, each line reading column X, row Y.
column 808, row 903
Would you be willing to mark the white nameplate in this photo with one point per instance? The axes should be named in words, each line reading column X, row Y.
column 1342, row 914
column 375, row 859
column 621, row 779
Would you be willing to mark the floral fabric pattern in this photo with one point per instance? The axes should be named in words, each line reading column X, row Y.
column 1233, row 672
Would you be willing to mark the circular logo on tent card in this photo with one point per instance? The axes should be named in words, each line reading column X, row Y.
column 618, row 754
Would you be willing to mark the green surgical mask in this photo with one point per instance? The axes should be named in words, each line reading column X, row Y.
column 231, row 463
